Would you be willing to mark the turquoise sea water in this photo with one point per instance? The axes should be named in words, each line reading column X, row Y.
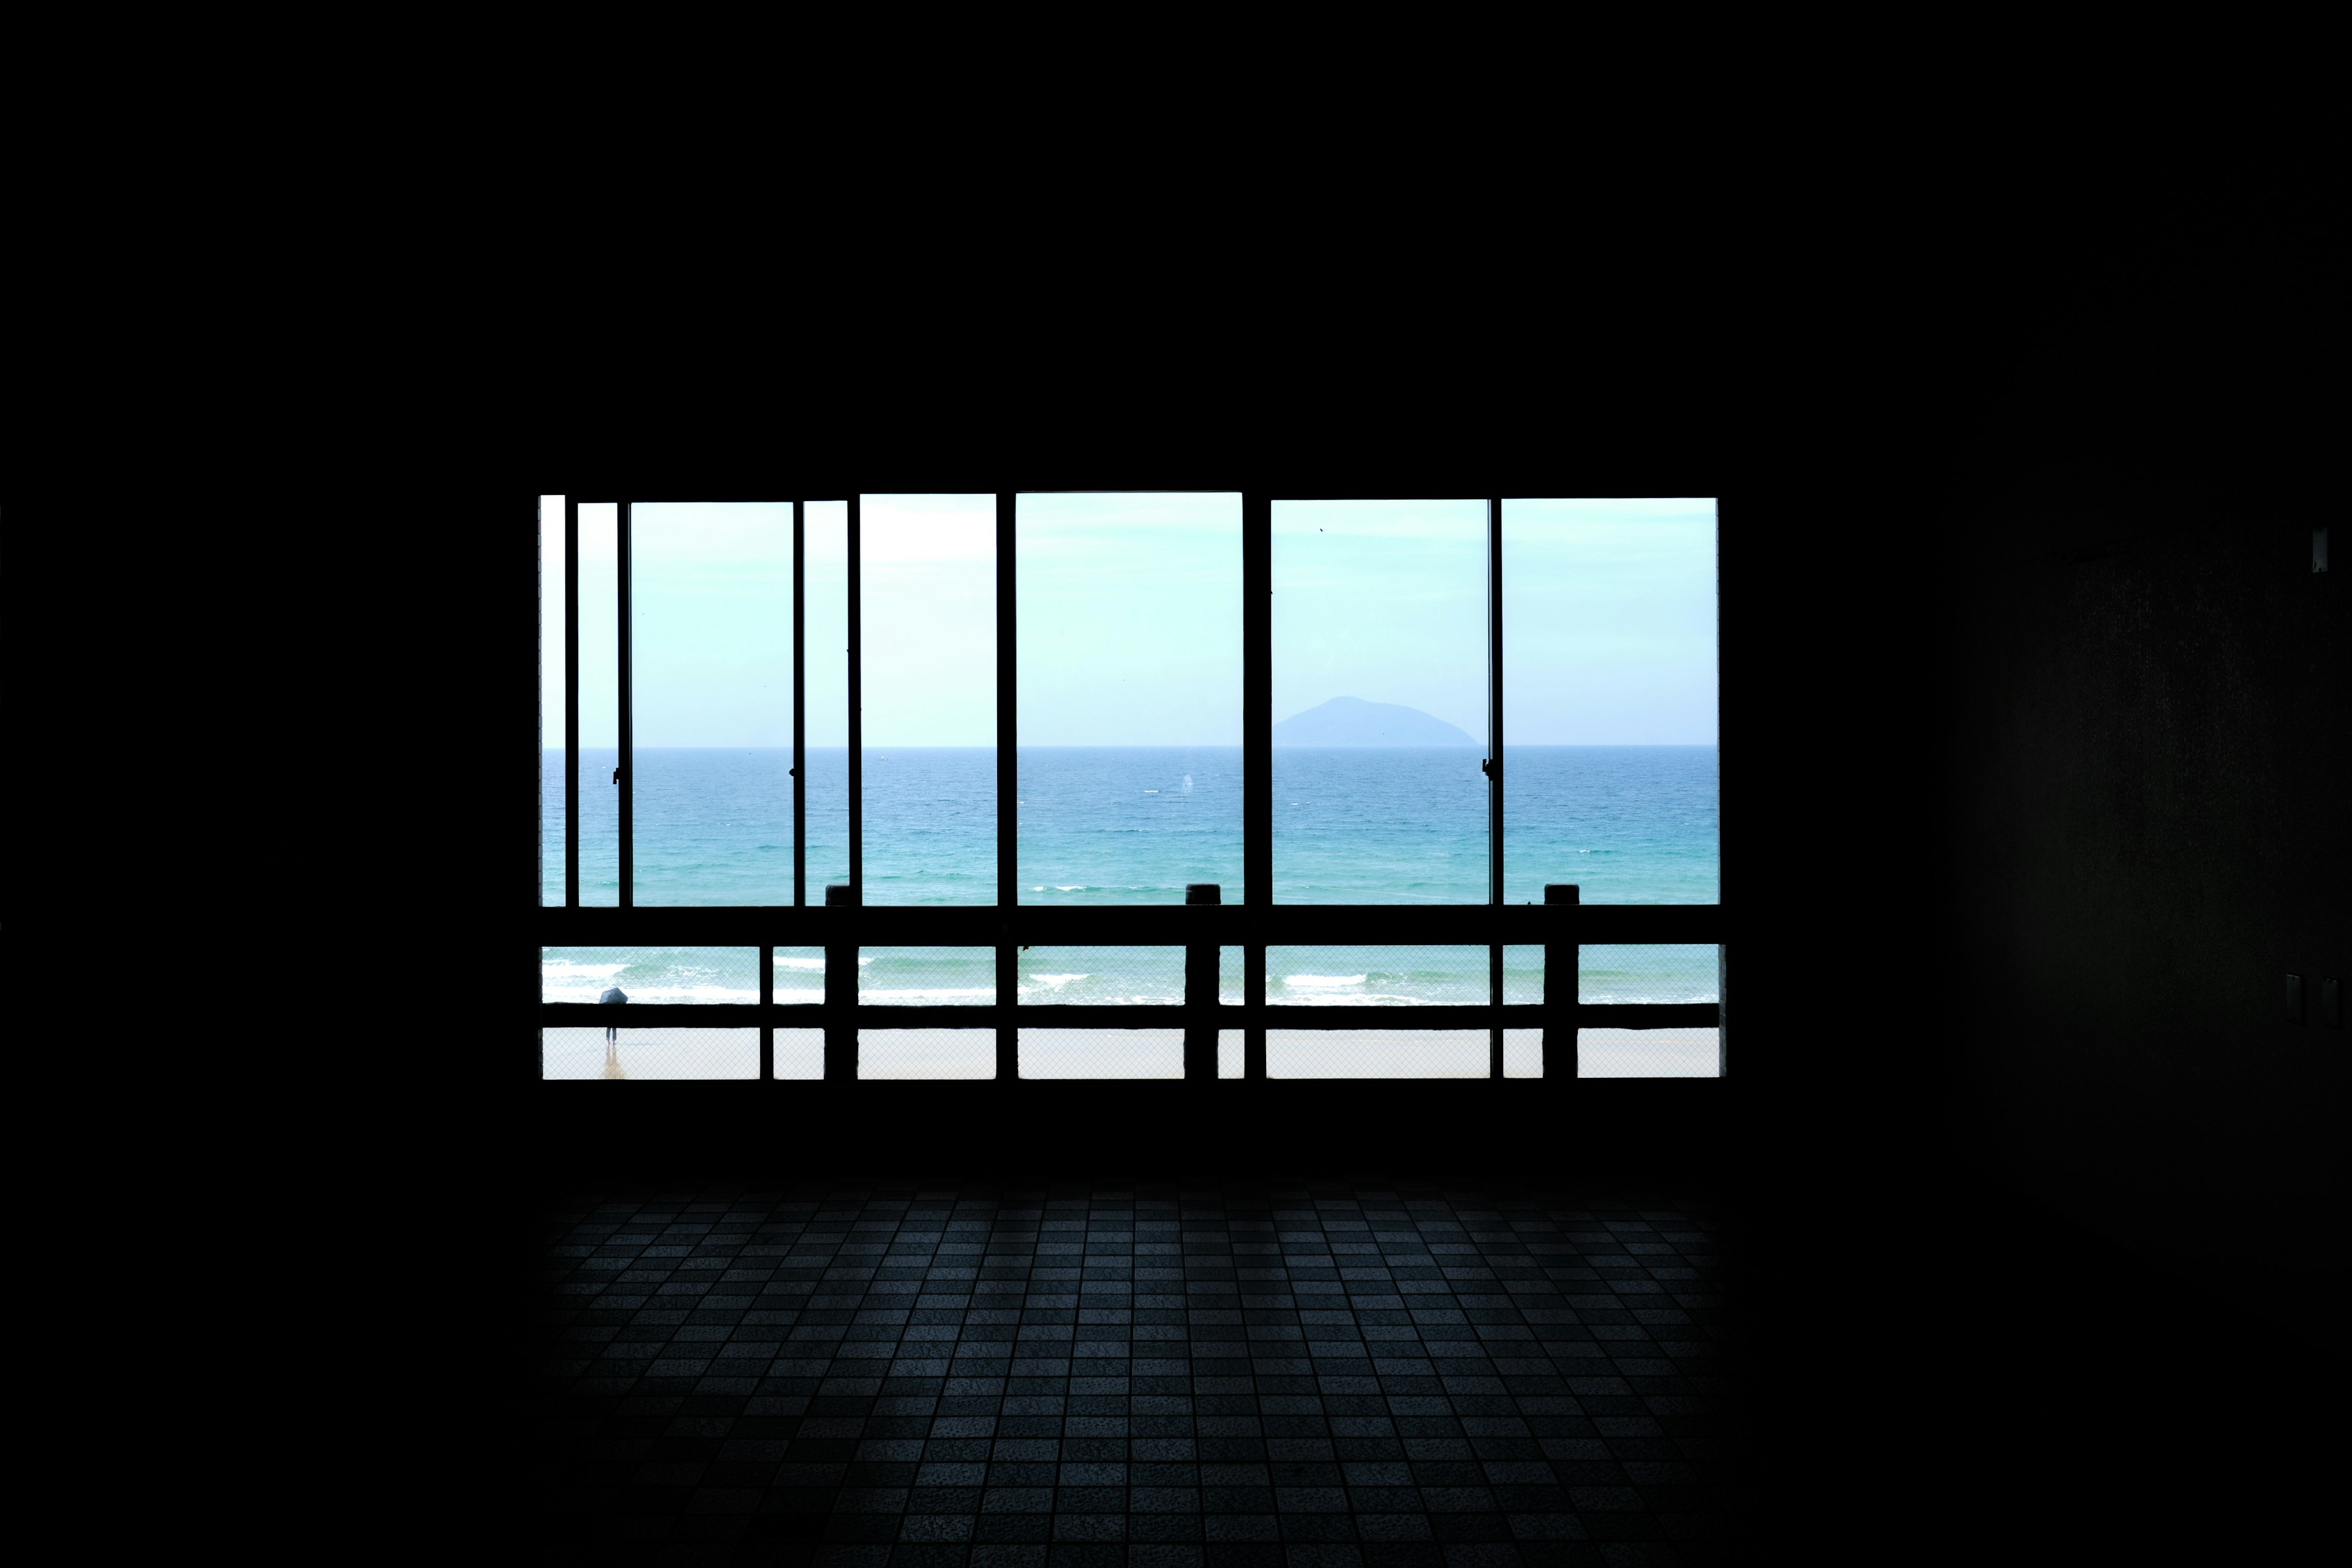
column 1127, row 825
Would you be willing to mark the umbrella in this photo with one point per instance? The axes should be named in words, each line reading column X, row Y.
column 613, row 994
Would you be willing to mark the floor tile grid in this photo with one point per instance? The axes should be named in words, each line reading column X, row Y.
column 932, row 1369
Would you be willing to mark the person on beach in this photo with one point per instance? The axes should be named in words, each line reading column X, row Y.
column 613, row 1031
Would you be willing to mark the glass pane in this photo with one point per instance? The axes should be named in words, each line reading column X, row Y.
column 798, row 975
column 1131, row 710
column 1379, row 701
column 1649, row 1053
column 644, row 975
column 1102, row 1053
column 826, row 607
column 1376, row 1053
column 599, row 705
column 800, row 1053
column 1356, row 976
column 1648, row 972
column 550, row 700
column 927, row 565
column 1523, row 1053
column 927, row 976
column 926, row 1053
column 662, row 1052
column 1143, row 976
column 1609, row 700
column 711, row 591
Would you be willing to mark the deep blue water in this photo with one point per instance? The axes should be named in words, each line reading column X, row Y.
column 1125, row 825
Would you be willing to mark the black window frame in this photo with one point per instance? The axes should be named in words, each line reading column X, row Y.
column 1561, row 925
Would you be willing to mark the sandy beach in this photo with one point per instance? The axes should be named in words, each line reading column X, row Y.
column 688, row 1053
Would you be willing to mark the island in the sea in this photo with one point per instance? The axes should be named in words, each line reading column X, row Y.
column 1352, row 722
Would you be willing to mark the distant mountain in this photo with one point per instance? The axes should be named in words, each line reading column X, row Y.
column 1352, row 722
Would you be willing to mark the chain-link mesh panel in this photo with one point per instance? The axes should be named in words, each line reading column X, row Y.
column 1523, row 1055
column 1071, row 976
column 1649, row 1053
column 800, row 1053
column 664, row 1052
column 1229, row 977
column 926, row 1053
column 1229, row 1053
column 1376, row 1053
column 1649, row 972
column 1359, row 976
column 1102, row 1053
column 671, row 974
column 927, row 977
column 1620, row 972
column 799, row 974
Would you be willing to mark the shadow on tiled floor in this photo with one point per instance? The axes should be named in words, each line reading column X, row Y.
column 1162, row 1377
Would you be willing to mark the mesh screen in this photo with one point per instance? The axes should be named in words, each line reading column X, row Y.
column 1523, row 1053
column 649, row 973
column 665, row 1052
column 1139, row 977
column 800, row 1053
column 1634, row 972
column 1648, row 1053
column 1376, row 1053
column 927, row 977
column 1229, row 977
column 1229, row 1053
column 1102, row 1053
column 1375, row 978
column 799, row 974
column 926, row 1053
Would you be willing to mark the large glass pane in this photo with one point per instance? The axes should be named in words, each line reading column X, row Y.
column 928, row 568
column 712, row 595
column 600, row 704
column 1609, row 700
column 550, row 700
column 1131, row 710
column 1379, row 701
column 826, row 605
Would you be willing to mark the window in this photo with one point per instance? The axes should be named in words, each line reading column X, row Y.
column 1104, row 785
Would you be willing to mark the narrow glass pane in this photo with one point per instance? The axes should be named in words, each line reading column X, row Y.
column 550, row 700
column 1649, row 1053
column 646, row 974
column 1131, row 710
column 926, row 1053
column 927, row 976
column 600, row 704
column 800, row 1053
column 826, row 605
column 798, row 975
column 1067, row 976
column 1609, row 700
column 1378, row 976
column 1102, row 1053
column 662, row 1052
column 1376, row 1053
column 928, row 567
column 1379, row 701
column 712, row 594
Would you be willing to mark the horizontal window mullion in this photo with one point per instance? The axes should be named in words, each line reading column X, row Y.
column 1164, row 925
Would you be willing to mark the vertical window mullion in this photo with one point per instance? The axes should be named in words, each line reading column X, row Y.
column 1495, row 768
column 628, row 732
column 570, row 701
column 800, row 704
column 1257, row 764
column 1008, row 793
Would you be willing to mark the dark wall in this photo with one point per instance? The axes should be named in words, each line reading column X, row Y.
column 2144, row 749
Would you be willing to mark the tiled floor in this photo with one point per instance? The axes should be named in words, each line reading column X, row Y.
column 1166, row 1378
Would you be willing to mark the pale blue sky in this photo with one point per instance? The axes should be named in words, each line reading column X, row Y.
column 1130, row 619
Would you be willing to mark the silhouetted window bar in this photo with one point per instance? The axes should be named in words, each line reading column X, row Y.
column 841, row 924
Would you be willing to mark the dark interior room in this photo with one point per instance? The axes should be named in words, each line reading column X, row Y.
column 2009, row 1218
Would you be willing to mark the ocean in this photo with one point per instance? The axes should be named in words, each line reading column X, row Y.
column 1133, row 826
